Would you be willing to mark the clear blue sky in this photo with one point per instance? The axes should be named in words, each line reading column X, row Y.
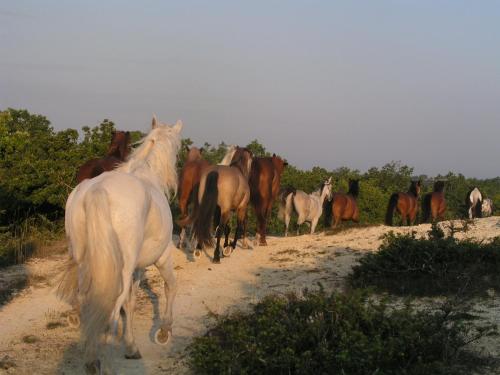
column 328, row 83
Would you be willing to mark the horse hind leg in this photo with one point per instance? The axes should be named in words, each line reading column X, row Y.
column 131, row 350
column 166, row 268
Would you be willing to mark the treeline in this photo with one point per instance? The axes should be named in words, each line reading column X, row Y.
column 38, row 167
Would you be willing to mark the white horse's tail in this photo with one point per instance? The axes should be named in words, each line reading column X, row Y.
column 100, row 270
column 285, row 202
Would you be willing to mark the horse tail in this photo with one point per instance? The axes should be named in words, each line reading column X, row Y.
column 100, row 270
column 393, row 202
column 285, row 201
column 426, row 207
column 327, row 209
column 205, row 210
column 479, row 208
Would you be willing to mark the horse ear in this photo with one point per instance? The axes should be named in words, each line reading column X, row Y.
column 178, row 126
column 154, row 123
column 330, row 180
column 274, row 155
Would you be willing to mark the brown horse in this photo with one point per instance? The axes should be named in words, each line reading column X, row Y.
column 190, row 177
column 344, row 206
column 116, row 154
column 222, row 189
column 406, row 204
column 434, row 204
column 265, row 177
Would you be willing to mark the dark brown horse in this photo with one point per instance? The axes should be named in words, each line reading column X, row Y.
column 343, row 207
column 265, row 178
column 117, row 152
column 434, row 204
column 222, row 189
column 405, row 203
column 190, row 176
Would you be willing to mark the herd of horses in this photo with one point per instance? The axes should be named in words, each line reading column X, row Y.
column 119, row 222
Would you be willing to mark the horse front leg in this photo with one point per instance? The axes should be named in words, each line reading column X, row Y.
column 166, row 267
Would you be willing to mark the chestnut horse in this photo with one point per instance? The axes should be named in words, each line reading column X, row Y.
column 222, row 189
column 406, row 204
column 116, row 154
column 265, row 177
column 434, row 204
column 190, row 175
column 343, row 206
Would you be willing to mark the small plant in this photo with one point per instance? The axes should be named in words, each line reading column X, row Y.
column 324, row 333
column 439, row 265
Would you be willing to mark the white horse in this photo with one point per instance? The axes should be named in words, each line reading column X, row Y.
column 309, row 207
column 474, row 202
column 487, row 207
column 117, row 224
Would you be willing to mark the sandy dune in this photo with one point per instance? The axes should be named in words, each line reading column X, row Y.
column 34, row 337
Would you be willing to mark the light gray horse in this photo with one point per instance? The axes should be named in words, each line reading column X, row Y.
column 474, row 201
column 487, row 207
column 308, row 207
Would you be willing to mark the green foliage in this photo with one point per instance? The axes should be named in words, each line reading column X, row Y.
column 38, row 166
column 337, row 334
column 439, row 265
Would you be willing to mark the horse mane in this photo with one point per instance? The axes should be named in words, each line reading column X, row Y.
column 353, row 188
column 226, row 160
column 155, row 158
column 238, row 160
column 438, row 186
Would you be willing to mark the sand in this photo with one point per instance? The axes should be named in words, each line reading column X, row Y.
column 35, row 338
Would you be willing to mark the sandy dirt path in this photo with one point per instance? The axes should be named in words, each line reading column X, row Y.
column 34, row 336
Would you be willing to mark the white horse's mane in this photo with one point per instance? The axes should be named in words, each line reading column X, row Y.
column 226, row 160
column 155, row 158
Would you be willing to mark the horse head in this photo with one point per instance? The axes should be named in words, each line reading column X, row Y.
column 242, row 159
column 279, row 164
column 119, row 145
column 194, row 154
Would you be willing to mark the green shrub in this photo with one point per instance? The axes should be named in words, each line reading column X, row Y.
column 438, row 265
column 337, row 334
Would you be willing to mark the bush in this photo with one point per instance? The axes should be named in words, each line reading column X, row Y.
column 337, row 334
column 438, row 265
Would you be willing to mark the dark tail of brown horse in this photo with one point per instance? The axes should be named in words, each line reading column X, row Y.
column 426, row 207
column 393, row 202
column 204, row 212
column 327, row 212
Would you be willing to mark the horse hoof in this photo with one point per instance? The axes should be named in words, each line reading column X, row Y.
column 73, row 320
column 216, row 261
column 227, row 251
column 162, row 336
column 263, row 243
column 197, row 253
column 93, row 367
column 135, row 355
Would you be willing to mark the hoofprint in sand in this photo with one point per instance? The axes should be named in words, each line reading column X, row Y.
column 34, row 333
